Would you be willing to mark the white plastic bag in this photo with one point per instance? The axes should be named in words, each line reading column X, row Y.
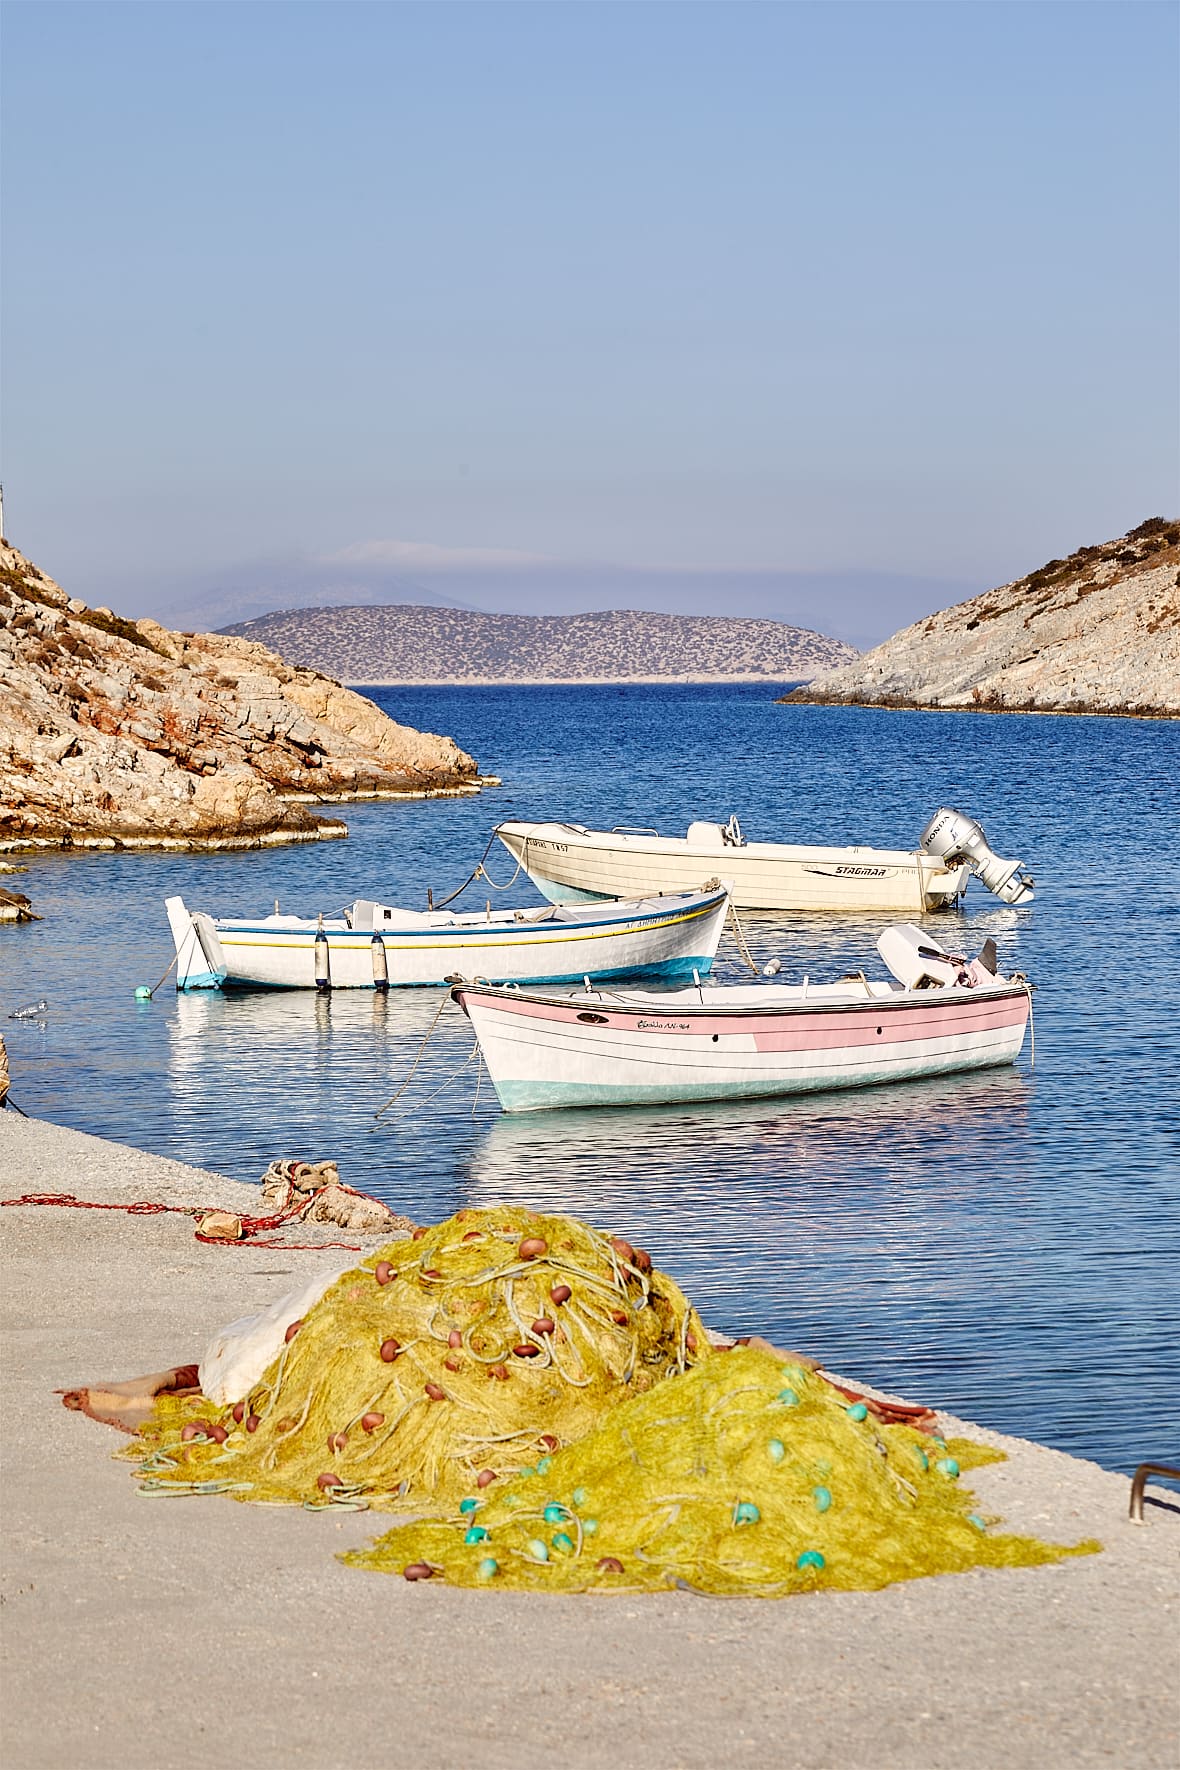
column 236, row 1357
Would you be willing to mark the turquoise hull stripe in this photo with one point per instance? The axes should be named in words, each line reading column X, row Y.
column 203, row 980
column 701, row 964
column 540, row 1096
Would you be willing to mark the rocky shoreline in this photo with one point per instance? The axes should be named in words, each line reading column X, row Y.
column 1097, row 633
column 124, row 734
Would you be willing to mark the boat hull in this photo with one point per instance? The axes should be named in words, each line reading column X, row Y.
column 547, row 1053
column 572, row 865
column 669, row 940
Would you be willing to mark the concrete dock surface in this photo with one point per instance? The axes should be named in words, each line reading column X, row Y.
column 169, row 1633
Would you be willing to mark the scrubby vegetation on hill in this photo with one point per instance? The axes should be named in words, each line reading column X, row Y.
column 413, row 644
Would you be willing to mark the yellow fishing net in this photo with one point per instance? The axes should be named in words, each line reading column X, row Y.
column 503, row 1373
column 743, row 1477
column 438, row 1364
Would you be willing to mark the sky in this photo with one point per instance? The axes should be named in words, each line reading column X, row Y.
column 835, row 313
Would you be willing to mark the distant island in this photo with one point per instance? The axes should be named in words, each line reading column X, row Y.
column 1097, row 632
column 118, row 733
column 387, row 645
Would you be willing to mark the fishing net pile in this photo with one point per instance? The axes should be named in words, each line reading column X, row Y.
column 436, row 1366
column 743, row 1477
column 550, row 1411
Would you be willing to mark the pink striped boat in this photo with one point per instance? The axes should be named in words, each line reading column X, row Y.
column 942, row 1014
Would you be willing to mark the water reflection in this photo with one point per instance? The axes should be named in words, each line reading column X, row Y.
column 673, row 1159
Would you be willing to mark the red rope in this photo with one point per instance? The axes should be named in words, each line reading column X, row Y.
column 251, row 1226
column 144, row 1208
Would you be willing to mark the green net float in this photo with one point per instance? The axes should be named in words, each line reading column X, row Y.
column 477, row 1534
column 923, row 1459
column 822, row 1497
column 563, row 1543
column 776, row 1450
column 788, row 1398
column 555, row 1514
column 794, row 1373
column 858, row 1411
column 589, row 1526
column 488, row 1568
column 746, row 1512
column 578, row 1497
column 940, row 1442
column 976, row 1520
column 526, row 1471
column 544, row 1464
column 811, row 1558
column 947, row 1466
column 538, row 1550
column 467, row 1507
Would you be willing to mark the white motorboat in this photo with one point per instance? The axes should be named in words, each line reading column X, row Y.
column 572, row 864
column 373, row 946
column 941, row 1014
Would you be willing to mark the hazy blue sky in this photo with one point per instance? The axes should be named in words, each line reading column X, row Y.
column 836, row 312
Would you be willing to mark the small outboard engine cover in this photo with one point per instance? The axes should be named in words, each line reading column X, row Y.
column 916, row 959
column 954, row 838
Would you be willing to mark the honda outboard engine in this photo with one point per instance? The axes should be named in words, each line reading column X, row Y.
column 956, row 839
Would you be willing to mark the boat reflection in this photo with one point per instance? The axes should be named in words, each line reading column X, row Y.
column 593, row 1160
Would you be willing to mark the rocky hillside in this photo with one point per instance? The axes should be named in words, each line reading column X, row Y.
column 1098, row 632
column 450, row 645
column 117, row 732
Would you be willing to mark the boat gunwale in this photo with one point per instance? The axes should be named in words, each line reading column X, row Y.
column 948, row 995
column 680, row 847
column 682, row 906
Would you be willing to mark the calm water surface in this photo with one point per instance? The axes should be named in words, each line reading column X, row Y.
column 1004, row 1246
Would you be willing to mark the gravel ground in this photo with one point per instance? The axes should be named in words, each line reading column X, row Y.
column 140, row 1633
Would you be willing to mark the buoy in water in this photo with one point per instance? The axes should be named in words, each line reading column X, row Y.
column 143, row 993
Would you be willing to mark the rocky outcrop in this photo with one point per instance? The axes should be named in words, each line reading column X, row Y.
column 123, row 733
column 1098, row 632
column 453, row 645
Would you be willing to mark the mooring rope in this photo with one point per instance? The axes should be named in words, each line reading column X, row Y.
column 417, row 1060
column 740, row 938
column 481, row 872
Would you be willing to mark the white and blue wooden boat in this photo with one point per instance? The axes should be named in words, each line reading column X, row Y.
column 373, row 946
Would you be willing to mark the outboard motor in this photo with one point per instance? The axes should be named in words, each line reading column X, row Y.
column 956, row 839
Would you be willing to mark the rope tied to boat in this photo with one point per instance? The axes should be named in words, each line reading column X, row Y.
column 480, row 872
column 740, row 938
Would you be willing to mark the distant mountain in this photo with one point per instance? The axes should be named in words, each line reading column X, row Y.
column 1098, row 632
column 442, row 645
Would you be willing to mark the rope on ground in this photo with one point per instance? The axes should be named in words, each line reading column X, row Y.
column 253, row 1228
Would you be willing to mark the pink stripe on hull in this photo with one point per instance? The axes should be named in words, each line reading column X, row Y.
column 901, row 1027
column 793, row 1030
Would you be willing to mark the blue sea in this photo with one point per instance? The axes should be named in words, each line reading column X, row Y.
column 1006, row 1246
